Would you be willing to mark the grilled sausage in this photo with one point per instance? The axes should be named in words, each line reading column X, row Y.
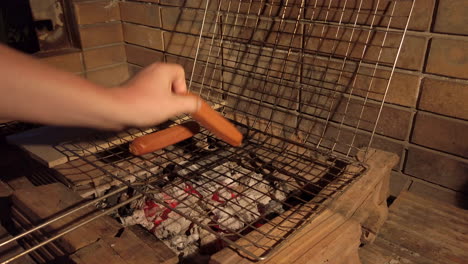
column 161, row 139
column 217, row 124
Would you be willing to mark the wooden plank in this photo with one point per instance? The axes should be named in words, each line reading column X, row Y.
column 334, row 248
column 41, row 142
column 12, row 249
column 43, row 202
column 134, row 251
column 429, row 228
column 166, row 255
column 344, row 207
column 5, row 190
column 47, row 144
column 44, row 254
column 97, row 253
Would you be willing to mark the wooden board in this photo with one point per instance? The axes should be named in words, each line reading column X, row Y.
column 134, row 251
column 12, row 249
column 5, row 190
column 46, row 143
column 42, row 202
column 42, row 143
column 419, row 230
column 349, row 206
column 166, row 255
column 97, row 253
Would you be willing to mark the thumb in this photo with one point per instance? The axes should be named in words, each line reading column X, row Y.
column 184, row 104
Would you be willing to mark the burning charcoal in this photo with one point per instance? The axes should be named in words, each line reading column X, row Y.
column 138, row 217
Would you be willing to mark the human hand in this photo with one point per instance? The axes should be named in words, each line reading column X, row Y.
column 154, row 95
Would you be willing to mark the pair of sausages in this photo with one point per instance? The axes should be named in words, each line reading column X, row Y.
column 206, row 116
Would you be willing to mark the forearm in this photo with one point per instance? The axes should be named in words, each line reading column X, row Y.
column 32, row 91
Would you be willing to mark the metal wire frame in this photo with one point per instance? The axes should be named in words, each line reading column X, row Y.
column 313, row 181
column 299, row 89
column 321, row 68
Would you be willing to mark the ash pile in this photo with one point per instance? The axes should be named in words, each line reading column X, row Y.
column 207, row 205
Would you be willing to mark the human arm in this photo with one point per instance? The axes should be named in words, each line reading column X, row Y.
column 32, row 91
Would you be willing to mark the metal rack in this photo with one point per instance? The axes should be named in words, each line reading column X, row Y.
column 305, row 82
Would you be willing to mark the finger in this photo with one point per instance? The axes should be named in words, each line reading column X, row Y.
column 183, row 104
column 177, row 76
column 179, row 86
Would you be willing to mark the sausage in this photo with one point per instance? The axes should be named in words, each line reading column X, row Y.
column 216, row 123
column 161, row 139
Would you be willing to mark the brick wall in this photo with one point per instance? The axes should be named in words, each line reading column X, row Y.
column 425, row 119
column 427, row 111
column 434, row 159
column 102, row 57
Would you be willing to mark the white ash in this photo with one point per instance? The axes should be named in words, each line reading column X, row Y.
column 226, row 198
column 138, row 217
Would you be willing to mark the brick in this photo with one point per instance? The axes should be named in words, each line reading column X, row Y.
column 104, row 56
column 451, row 17
column 143, row 36
column 412, row 53
column 140, row 13
column 187, row 20
column 97, row 35
column 142, row 56
column 380, row 47
column 331, row 11
column 448, row 57
column 70, row 62
column 398, row 183
column 403, row 89
column 111, row 76
column 439, row 169
column 444, row 97
column 180, row 44
column 188, row 3
column 420, row 18
column 434, row 192
column 441, row 133
column 96, row 12
column 359, row 139
column 262, row 111
column 394, row 122
column 186, row 63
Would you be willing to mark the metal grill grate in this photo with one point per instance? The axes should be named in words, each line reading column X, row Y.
column 305, row 81
column 193, row 178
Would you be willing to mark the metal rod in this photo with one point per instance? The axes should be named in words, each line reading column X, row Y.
column 61, row 216
column 73, row 227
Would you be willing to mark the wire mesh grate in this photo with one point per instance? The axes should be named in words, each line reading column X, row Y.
column 209, row 189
